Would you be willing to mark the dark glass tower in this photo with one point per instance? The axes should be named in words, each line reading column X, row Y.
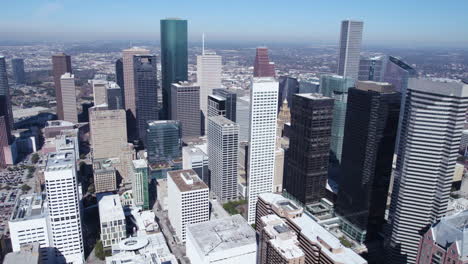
column 146, row 86
column 287, row 87
column 119, row 79
column 368, row 149
column 18, row 70
column 309, row 147
column 61, row 63
column 5, row 104
column 164, row 141
column 174, row 58
column 230, row 102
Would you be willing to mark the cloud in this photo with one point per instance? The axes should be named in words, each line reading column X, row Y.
column 48, row 9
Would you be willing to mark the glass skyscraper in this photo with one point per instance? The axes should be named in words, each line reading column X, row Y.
column 174, row 58
column 336, row 87
column 164, row 141
column 18, row 70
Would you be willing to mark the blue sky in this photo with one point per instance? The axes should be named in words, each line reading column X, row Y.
column 395, row 22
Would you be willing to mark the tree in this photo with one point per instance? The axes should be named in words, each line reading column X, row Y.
column 99, row 250
column 35, row 158
column 25, row 188
column 91, row 188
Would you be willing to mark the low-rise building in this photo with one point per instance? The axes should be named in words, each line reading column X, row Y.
column 112, row 220
column 105, row 177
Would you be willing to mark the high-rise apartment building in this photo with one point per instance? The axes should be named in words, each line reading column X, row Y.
column 309, row 147
column 5, row 107
column 262, row 65
column 112, row 220
column 61, row 64
column 223, row 147
column 288, row 86
column 61, row 185
column 336, row 87
column 130, row 94
column 108, row 132
column 139, row 173
column 17, row 66
column 174, row 58
column 188, row 198
column 163, row 140
column 372, row 69
column 230, row 102
column 368, row 149
column 262, row 138
column 146, row 89
column 431, row 129
column 350, row 48
column 185, row 107
column 119, row 79
column 68, row 96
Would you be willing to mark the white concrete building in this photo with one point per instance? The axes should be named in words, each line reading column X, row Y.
column 196, row 158
column 63, row 200
column 223, row 147
column 222, row 241
column 188, row 198
column 262, row 138
column 434, row 116
column 112, row 220
column 28, row 224
column 67, row 83
column 99, row 91
column 350, row 48
column 209, row 68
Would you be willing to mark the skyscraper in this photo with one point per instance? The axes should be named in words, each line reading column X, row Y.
column 119, row 79
column 185, row 107
column 288, row 86
column 309, row 147
column 114, row 96
column 61, row 64
column 372, row 69
column 350, row 48
column 99, row 91
column 108, row 132
column 174, row 58
column 262, row 138
column 61, row 185
column 368, row 148
column 140, row 183
column 163, row 140
column 433, row 120
column 5, row 107
column 230, row 102
column 129, row 84
column 146, row 89
column 262, row 65
column 209, row 68
column 5, row 137
column 336, row 87
column 223, row 147
column 17, row 65
column 68, row 96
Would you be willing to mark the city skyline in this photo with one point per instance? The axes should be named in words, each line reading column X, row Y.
column 415, row 24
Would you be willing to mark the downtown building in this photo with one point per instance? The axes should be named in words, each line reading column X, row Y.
column 368, row 150
column 188, row 198
column 262, row 65
column 174, row 59
column 226, row 104
column 17, row 65
column 139, row 175
column 64, row 213
column 350, row 48
column 105, row 175
column 262, row 139
column 7, row 147
column 372, row 69
column 61, row 64
column 185, row 107
column 288, row 86
column 112, row 220
column 163, row 141
column 119, row 79
column 209, row 69
column 68, row 98
column 223, row 147
column 309, row 147
column 433, row 119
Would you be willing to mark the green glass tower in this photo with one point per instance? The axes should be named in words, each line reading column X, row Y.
column 336, row 87
column 140, row 184
column 174, row 57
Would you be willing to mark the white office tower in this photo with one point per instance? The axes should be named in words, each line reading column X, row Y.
column 209, row 68
column 28, row 224
column 61, row 186
column 350, row 48
column 262, row 138
column 223, row 147
column 112, row 220
column 188, row 198
column 99, row 91
column 222, row 241
column 67, row 82
column 433, row 120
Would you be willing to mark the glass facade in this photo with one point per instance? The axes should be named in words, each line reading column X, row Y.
column 336, row 87
column 164, row 141
column 174, row 57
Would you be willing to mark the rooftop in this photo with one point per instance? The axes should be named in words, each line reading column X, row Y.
column 264, row 79
column 453, row 229
column 67, row 75
column 28, row 112
column 313, row 96
column 223, row 121
column 110, row 208
column 381, row 87
column 60, row 161
column 29, row 207
column 187, row 180
column 140, row 164
column 222, row 234
column 440, row 87
column 100, row 165
column 59, row 123
column 27, row 254
column 185, row 84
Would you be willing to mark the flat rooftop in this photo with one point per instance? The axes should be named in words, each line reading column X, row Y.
column 101, row 165
column 64, row 160
column 313, row 96
column 110, row 208
column 439, row 86
column 222, row 234
column 185, row 84
column 264, row 79
column 223, row 121
column 187, row 180
column 140, row 164
column 381, row 87
column 217, row 97
column 29, row 207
